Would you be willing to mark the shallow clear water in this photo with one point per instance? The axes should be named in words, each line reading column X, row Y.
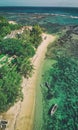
column 41, row 15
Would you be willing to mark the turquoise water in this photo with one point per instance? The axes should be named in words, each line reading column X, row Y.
column 41, row 15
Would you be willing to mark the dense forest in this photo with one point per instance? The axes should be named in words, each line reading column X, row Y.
column 15, row 60
column 61, row 82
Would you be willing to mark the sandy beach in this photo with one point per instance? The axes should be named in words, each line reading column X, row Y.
column 21, row 115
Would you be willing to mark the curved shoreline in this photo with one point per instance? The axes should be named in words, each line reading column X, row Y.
column 21, row 115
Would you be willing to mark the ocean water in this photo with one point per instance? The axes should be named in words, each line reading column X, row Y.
column 55, row 10
column 41, row 15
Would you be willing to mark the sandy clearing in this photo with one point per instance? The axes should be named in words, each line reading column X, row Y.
column 12, row 22
column 21, row 115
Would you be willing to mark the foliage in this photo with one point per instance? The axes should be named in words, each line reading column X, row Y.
column 36, row 35
column 6, row 28
column 25, row 36
column 64, row 85
column 52, row 28
column 11, row 47
column 29, row 50
column 19, row 51
column 15, row 26
column 3, row 20
column 66, row 44
column 26, row 68
column 63, row 81
column 10, row 89
column 23, row 66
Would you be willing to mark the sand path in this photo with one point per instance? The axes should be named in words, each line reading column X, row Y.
column 21, row 115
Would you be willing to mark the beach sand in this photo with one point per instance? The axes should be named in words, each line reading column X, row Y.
column 12, row 22
column 21, row 115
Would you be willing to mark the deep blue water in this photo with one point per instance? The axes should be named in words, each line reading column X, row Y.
column 42, row 15
column 55, row 10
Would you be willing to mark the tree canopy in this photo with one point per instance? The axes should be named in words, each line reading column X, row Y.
column 10, row 88
column 6, row 28
column 11, row 47
column 36, row 35
column 64, row 83
column 62, row 78
column 19, row 51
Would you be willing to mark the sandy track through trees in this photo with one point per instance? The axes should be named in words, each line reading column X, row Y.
column 21, row 115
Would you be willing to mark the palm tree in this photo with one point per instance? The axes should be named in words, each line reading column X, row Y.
column 26, row 68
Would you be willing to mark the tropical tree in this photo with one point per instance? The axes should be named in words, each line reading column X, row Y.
column 36, row 35
column 26, row 68
column 10, row 88
column 11, row 47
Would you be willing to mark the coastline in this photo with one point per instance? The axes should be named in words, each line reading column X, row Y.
column 21, row 115
column 35, row 111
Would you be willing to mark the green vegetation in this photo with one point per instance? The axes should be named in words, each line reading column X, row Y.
column 1, row 56
column 6, row 28
column 52, row 28
column 26, row 68
column 10, row 89
column 11, row 47
column 65, row 45
column 15, row 61
column 62, row 83
column 36, row 35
